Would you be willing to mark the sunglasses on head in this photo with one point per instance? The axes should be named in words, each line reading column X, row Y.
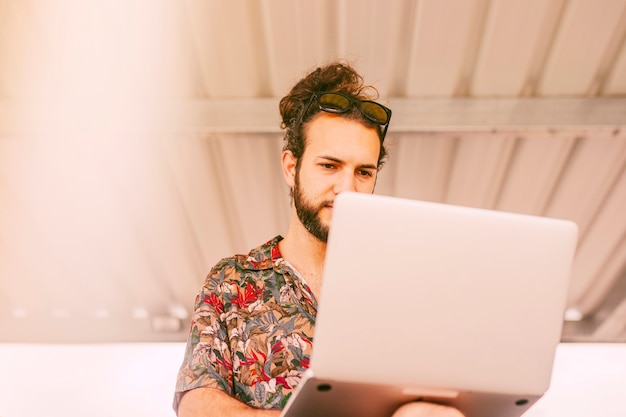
column 339, row 103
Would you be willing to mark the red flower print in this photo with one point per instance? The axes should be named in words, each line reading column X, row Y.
column 304, row 362
column 282, row 381
column 212, row 300
column 277, row 347
column 225, row 363
column 250, row 295
column 276, row 253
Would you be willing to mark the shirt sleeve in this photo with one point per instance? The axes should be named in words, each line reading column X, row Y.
column 207, row 361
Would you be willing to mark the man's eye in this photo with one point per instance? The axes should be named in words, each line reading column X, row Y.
column 366, row 173
column 328, row 166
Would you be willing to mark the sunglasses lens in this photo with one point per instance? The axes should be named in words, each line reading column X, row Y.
column 334, row 102
column 375, row 112
column 338, row 103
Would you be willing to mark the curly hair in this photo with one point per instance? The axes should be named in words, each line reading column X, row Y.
column 334, row 77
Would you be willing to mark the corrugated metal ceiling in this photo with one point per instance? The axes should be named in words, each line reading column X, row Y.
column 112, row 212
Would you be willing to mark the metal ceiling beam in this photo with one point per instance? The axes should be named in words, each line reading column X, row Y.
column 506, row 114
column 409, row 115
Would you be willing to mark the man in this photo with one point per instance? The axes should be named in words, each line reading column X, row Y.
column 252, row 329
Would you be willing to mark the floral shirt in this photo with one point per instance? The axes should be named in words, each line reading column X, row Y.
column 251, row 331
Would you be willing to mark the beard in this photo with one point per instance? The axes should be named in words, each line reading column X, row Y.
column 308, row 213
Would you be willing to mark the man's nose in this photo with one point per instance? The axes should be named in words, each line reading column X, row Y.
column 347, row 182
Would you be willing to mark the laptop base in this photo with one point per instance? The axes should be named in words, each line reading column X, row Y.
column 330, row 398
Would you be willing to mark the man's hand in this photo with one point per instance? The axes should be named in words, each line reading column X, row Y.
column 424, row 409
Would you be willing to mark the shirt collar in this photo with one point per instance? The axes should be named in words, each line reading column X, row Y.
column 266, row 256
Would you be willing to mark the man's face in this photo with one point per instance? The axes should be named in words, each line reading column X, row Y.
column 340, row 155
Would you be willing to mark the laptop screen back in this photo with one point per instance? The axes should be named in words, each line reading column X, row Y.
column 433, row 295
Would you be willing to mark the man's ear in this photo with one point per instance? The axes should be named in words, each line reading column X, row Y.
column 288, row 162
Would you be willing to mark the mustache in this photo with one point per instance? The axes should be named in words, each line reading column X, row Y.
column 327, row 203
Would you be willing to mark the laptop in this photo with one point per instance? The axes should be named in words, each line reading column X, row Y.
column 424, row 301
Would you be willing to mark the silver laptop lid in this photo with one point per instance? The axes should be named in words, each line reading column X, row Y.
column 433, row 295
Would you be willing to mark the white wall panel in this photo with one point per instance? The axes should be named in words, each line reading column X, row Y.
column 479, row 169
column 616, row 83
column 439, row 43
column 587, row 28
column 511, row 38
column 228, row 41
column 421, row 165
column 597, row 250
column 534, row 173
